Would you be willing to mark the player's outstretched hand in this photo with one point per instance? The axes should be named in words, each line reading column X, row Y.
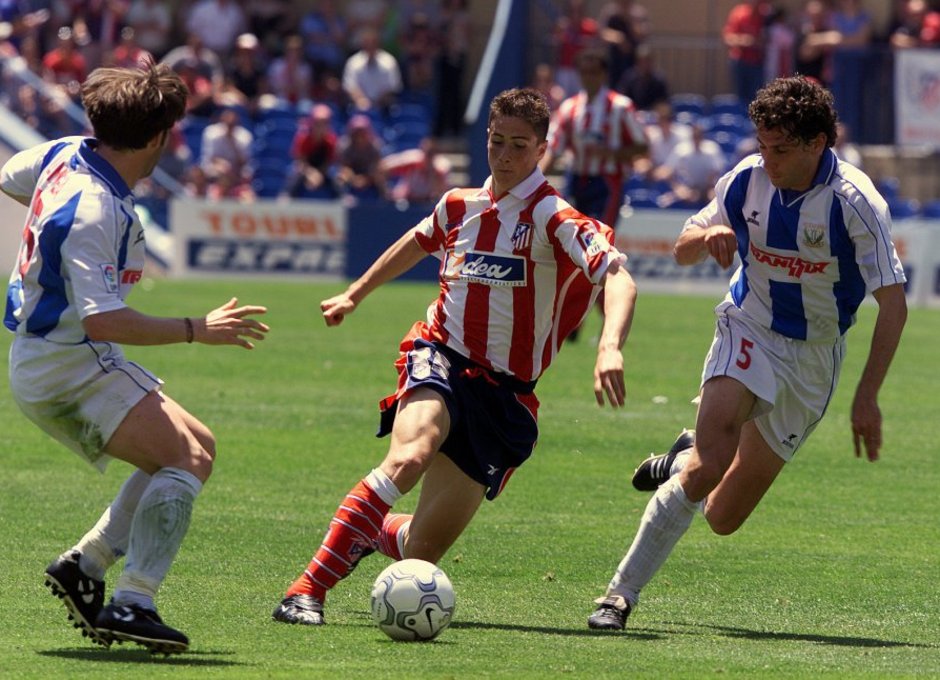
column 336, row 308
column 608, row 377
column 230, row 325
column 721, row 244
column 866, row 427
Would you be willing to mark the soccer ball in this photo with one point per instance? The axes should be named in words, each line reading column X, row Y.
column 412, row 600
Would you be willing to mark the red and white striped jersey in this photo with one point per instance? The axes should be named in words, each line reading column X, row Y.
column 584, row 127
column 517, row 275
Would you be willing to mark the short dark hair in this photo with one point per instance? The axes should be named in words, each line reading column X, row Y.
column 799, row 106
column 525, row 103
column 128, row 107
column 593, row 55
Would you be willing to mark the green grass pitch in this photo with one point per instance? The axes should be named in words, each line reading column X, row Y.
column 835, row 575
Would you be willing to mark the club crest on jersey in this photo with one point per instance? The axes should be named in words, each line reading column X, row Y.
column 488, row 268
column 590, row 242
column 814, row 236
column 109, row 274
column 522, row 236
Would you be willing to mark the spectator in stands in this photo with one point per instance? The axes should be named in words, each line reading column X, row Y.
column 663, row 136
column 64, row 65
column 247, row 71
column 743, row 35
column 454, row 30
column 152, row 24
column 97, row 25
column 598, row 130
column 574, row 32
column 323, row 30
column 195, row 54
column 201, row 99
column 917, row 26
column 643, row 83
column 196, row 182
column 217, row 23
column 371, row 77
column 228, row 182
column 544, row 81
column 780, row 41
column 815, row 42
column 692, row 169
column 290, row 77
column 850, row 61
column 419, row 53
column 226, row 145
column 360, row 176
column 313, row 151
column 363, row 16
column 419, row 175
column 617, row 30
column 127, row 53
column 269, row 20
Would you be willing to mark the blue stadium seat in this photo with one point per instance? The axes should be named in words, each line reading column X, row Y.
column 902, row 208
column 931, row 209
column 889, row 187
column 688, row 101
column 643, row 198
column 728, row 103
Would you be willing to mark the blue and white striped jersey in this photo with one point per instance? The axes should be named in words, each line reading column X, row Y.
column 807, row 259
column 83, row 244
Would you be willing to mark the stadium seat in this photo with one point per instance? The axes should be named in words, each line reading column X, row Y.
column 889, row 187
column 643, row 198
column 687, row 101
column 902, row 208
column 728, row 103
column 931, row 209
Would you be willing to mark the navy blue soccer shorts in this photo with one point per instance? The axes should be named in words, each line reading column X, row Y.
column 493, row 416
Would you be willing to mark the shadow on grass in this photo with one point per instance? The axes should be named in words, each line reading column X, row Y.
column 836, row 640
column 628, row 633
column 140, row 655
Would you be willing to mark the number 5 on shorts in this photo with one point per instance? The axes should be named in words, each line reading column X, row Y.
column 744, row 357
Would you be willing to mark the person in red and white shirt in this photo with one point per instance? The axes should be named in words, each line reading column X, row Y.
column 519, row 269
column 598, row 130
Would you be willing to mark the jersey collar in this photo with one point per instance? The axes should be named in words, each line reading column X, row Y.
column 102, row 168
column 523, row 190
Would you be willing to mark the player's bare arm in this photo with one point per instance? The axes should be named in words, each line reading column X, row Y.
column 697, row 243
column 866, row 416
column 619, row 303
column 401, row 256
column 225, row 325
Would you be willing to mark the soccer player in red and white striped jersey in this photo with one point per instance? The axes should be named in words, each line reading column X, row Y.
column 519, row 269
column 598, row 130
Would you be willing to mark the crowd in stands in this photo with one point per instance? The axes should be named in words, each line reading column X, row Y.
column 349, row 98
column 693, row 139
column 311, row 101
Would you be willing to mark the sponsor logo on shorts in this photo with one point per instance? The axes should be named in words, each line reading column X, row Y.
column 488, row 268
column 109, row 274
column 795, row 266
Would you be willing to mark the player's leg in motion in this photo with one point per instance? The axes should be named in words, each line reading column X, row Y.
column 420, row 426
column 724, row 407
column 159, row 434
column 77, row 576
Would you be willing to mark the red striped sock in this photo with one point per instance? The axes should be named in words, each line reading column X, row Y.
column 353, row 531
column 387, row 542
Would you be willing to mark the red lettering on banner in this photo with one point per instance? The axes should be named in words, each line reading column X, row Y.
column 794, row 265
column 247, row 224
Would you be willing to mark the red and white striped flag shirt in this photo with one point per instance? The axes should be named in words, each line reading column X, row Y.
column 517, row 274
column 608, row 120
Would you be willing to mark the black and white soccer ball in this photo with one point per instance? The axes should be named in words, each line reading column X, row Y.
column 412, row 600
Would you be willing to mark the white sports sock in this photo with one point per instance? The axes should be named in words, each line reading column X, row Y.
column 679, row 462
column 383, row 486
column 157, row 531
column 666, row 518
column 106, row 542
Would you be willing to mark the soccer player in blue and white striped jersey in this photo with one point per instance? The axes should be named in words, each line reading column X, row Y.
column 812, row 235
column 82, row 251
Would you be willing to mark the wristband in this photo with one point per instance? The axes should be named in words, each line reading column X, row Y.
column 190, row 332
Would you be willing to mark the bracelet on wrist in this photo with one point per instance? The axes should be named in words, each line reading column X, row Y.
column 190, row 331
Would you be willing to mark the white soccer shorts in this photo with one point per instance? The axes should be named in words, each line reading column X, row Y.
column 793, row 380
column 78, row 394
